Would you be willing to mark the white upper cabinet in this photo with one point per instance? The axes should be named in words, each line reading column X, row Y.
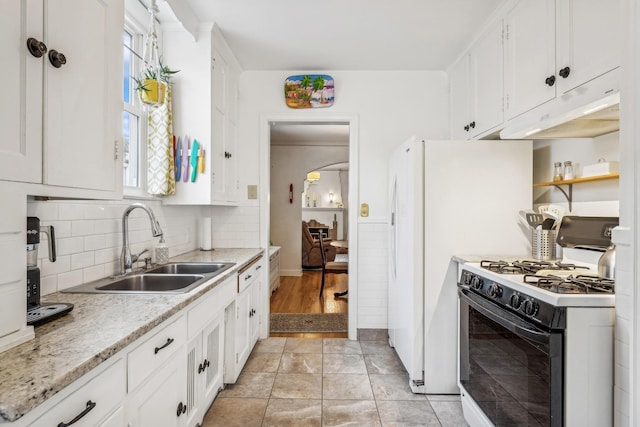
column 460, row 94
column 21, row 76
column 554, row 46
column 530, row 56
column 476, row 87
column 205, row 106
column 487, row 74
column 64, row 103
column 589, row 40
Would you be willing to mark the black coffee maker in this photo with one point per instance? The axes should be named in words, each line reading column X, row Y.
column 38, row 313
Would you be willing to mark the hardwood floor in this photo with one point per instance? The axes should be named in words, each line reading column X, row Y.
column 301, row 295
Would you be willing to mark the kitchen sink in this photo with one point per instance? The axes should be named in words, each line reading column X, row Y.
column 178, row 277
column 190, row 268
column 151, row 283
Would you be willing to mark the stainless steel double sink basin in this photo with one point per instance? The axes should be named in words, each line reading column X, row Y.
column 177, row 277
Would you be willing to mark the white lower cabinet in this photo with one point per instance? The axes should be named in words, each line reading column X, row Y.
column 90, row 404
column 161, row 401
column 205, row 351
column 245, row 321
column 171, row 375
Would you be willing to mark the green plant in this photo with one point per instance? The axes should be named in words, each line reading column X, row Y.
column 150, row 74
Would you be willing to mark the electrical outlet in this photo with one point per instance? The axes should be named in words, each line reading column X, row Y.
column 252, row 192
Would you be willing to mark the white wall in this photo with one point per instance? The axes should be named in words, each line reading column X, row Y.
column 592, row 198
column 329, row 183
column 390, row 106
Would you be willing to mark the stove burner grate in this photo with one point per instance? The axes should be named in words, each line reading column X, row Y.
column 580, row 284
column 526, row 266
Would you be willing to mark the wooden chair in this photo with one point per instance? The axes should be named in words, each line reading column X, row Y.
column 331, row 267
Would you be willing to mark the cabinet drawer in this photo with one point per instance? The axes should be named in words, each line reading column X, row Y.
column 227, row 291
column 249, row 274
column 150, row 355
column 97, row 399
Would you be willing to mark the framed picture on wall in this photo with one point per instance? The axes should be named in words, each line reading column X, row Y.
column 309, row 91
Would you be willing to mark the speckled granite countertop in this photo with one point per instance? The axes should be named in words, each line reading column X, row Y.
column 99, row 326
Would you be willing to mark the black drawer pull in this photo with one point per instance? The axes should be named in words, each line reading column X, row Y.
column 167, row 344
column 90, row 406
column 248, row 277
column 258, row 267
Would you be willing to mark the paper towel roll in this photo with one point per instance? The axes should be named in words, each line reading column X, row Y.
column 205, row 238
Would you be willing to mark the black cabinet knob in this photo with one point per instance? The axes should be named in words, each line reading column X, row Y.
column 56, row 58
column 550, row 81
column 564, row 73
column 466, row 128
column 36, row 47
column 473, row 125
column 182, row 408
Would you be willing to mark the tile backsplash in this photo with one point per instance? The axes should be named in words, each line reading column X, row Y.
column 89, row 235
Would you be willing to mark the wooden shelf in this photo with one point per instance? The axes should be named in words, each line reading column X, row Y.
column 579, row 180
column 570, row 182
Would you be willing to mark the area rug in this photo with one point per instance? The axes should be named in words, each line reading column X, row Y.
column 308, row 322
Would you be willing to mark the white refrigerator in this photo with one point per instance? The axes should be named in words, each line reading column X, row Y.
column 447, row 198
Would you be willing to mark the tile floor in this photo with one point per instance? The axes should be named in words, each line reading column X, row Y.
column 328, row 382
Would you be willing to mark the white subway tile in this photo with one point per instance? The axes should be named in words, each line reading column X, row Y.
column 71, row 245
column 46, row 211
column 107, row 255
column 83, row 228
column 82, row 260
column 48, row 285
column 69, row 211
column 93, row 273
column 61, row 228
column 62, row 265
column 70, row 279
column 92, row 243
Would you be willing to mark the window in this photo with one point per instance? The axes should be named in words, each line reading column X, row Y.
column 134, row 129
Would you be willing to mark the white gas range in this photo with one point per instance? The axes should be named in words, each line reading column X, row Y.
column 536, row 341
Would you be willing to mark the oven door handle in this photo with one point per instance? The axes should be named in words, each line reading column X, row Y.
column 504, row 318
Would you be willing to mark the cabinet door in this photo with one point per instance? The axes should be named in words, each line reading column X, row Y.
column 194, row 387
column 243, row 328
column 460, row 95
column 219, row 155
column 21, row 106
column 530, row 34
column 230, row 164
column 256, row 290
column 82, row 101
column 487, row 73
column 213, row 349
column 156, row 403
column 589, row 40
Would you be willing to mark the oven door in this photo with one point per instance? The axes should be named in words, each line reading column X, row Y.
column 512, row 369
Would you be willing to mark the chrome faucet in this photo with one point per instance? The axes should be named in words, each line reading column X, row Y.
column 126, row 258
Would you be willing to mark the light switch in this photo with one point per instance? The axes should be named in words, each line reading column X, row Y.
column 252, row 191
column 364, row 209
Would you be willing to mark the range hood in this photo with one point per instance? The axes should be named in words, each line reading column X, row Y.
column 587, row 111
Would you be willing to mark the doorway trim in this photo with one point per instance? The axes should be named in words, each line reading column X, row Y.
column 299, row 117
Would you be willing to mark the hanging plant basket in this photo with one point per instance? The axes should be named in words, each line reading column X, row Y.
column 152, row 92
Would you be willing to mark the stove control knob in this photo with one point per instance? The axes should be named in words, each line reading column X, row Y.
column 530, row 307
column 515, row 301
column 466, row 278
column 495, row 291
column 477, row 282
